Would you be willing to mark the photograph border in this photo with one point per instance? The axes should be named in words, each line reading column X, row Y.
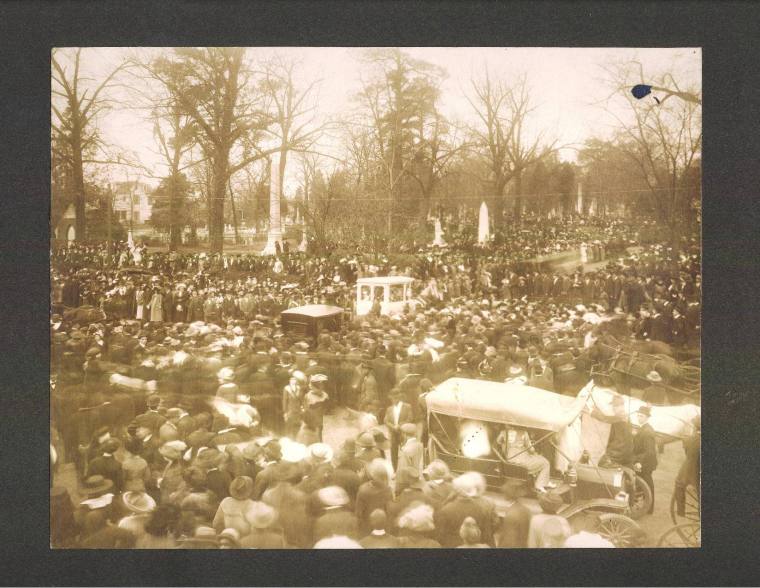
column 730, row 80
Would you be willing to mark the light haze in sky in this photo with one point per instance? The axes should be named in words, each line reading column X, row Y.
column 567, row 87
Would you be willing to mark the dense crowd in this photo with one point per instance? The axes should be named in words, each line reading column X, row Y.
column 194, row 421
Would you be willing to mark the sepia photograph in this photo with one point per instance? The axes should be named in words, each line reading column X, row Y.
column 375, row 297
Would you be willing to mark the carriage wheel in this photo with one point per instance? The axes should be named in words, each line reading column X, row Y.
column 640, row 499
column 686, row 535
column 621, row 530
column 691, row 507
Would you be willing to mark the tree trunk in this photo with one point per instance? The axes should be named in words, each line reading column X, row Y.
column 216, row 206
column 234, row 214
column 518, row 195
column 175, row 231
column 78, row 192
column 498, row 203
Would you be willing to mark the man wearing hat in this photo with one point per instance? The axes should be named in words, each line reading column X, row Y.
column 645, row 449
column 151, row 419
column 619, row 450
column 315, row 399
column 106, row 464
column 337, row 518
column 264, row 533
column 409, row 491
column 374, row 494
column 468, row 501
column 397, row 415
column 411, row 452
column 139, row 505
column 366, row 388
column 655, row 393
column 515, row 523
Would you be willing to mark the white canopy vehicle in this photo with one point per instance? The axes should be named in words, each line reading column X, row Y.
column 392, row 292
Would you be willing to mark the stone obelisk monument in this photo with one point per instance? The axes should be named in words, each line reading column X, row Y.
column 275, row 190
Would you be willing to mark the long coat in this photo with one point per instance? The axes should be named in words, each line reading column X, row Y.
column 157, row 308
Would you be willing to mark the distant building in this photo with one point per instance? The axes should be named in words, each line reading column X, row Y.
column 132, row 204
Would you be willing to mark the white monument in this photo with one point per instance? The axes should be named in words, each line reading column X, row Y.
column 579, row 203
column 304, row 244
column 483, row 233
column 438, row 240
column 275, row 227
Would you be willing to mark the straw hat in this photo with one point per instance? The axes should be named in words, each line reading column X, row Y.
column 138, row 502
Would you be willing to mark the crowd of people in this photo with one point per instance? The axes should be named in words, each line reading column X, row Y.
column 195, row 421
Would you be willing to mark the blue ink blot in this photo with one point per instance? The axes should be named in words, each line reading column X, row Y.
column 641, row 90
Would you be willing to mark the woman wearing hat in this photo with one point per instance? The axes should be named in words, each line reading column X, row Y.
column 373, row 494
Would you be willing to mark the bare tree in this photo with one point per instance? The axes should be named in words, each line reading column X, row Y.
column 75, row 140
column 503, row 111
column 292, row 109
column 665, row 142
column 211, row 87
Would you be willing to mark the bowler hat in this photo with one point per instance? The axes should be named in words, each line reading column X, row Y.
column 645, row 410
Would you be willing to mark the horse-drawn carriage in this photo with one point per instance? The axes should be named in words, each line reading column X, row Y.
column 637, row 366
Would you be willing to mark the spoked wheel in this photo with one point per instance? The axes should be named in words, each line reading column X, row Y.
column 640, row 499
column 621, row 530
column 691, row 512
column 686, row 535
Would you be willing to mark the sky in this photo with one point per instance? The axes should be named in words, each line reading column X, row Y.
column 566, row 84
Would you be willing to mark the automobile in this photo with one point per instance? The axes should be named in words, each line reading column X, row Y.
column 467, row 418
column 310, row 320
column 393, row 293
